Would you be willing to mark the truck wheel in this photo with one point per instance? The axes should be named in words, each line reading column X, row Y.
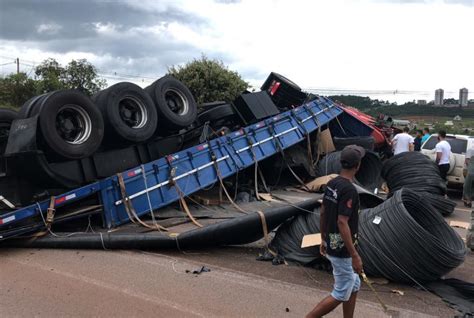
column 70, row 124
column 27, row 107
column 216, row 113
column 174, row 102
column 7, row 116
column 128, row 112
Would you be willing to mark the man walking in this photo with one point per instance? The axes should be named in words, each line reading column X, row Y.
column 402, row 142
column 339, row 218
column 443, row 151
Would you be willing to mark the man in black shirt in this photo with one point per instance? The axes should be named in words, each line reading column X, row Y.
column 339, row 222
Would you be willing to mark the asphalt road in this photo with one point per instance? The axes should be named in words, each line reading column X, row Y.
column 81, row 283
column 63, row 283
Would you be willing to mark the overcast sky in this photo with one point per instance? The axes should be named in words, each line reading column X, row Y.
column 372, row 46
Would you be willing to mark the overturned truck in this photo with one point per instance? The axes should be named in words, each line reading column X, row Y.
column 136, row 160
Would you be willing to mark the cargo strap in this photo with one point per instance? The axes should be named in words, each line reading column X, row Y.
column 182, row 202
column 280, row 149
column 48, row 221
column 318, row 136
column 257, row 172
column 367, row 281
column 132, row 215
column 306, row 133
column 265, row 233
column 50, row 213
column 184, row 206
column 221, row 181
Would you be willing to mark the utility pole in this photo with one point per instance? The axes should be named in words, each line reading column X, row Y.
column 17, row 65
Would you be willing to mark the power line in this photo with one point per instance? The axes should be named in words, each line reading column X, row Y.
column 99, row 70
column 372, row 92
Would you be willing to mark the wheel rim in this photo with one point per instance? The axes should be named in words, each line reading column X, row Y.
column 73, row 124
column 133, row 112
column 177, row 102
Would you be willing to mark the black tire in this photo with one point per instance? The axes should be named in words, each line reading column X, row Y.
column 216, row 113
column 71, row 125
column 27, row 108
column 366, row 142
column 7, row 116
column 206, row 106
column 174, row 102
column 128, row 112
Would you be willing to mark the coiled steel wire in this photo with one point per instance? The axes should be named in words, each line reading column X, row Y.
column 368, row 175
column 416, row 171
column 404, row 239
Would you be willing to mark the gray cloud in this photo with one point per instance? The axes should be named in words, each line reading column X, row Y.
column 20, row 19
column 72, row 26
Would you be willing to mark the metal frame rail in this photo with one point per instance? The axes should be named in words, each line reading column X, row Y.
column 163, row 181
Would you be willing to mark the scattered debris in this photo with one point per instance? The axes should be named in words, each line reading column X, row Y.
column 398, row 292
column 202, row 269
column 459, row 224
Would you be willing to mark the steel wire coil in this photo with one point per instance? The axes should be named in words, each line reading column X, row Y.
column 368, row 175
column 416, row 171
column 405, row 239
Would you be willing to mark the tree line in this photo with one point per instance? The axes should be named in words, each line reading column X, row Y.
column 17, row 88
column 208, row 79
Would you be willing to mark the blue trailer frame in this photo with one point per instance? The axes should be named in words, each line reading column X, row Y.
column 158, row 183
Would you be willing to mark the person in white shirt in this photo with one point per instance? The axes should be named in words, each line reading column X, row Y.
column 402, row 142
column 443, row 151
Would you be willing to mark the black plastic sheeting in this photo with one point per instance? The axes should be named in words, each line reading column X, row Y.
column 403, row 239
column 457, row 293
column 241, row 230
column 416, row 171
column 368, row 175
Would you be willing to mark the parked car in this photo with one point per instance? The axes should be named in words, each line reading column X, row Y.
column 457, row 161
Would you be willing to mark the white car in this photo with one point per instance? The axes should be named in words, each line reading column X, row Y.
column 457, row 160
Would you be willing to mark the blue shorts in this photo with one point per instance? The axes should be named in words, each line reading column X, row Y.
column 346, row 281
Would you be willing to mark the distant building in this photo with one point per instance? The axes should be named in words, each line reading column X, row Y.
column 439, row 97
column 463, row 94
column 449, row 123
column 457, row 117
column 422, row 102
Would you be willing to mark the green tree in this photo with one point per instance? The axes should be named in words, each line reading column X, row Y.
column 78, row 74
column 49, row 75
column 209, row 80
column 15, row 89
column 82, row 75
